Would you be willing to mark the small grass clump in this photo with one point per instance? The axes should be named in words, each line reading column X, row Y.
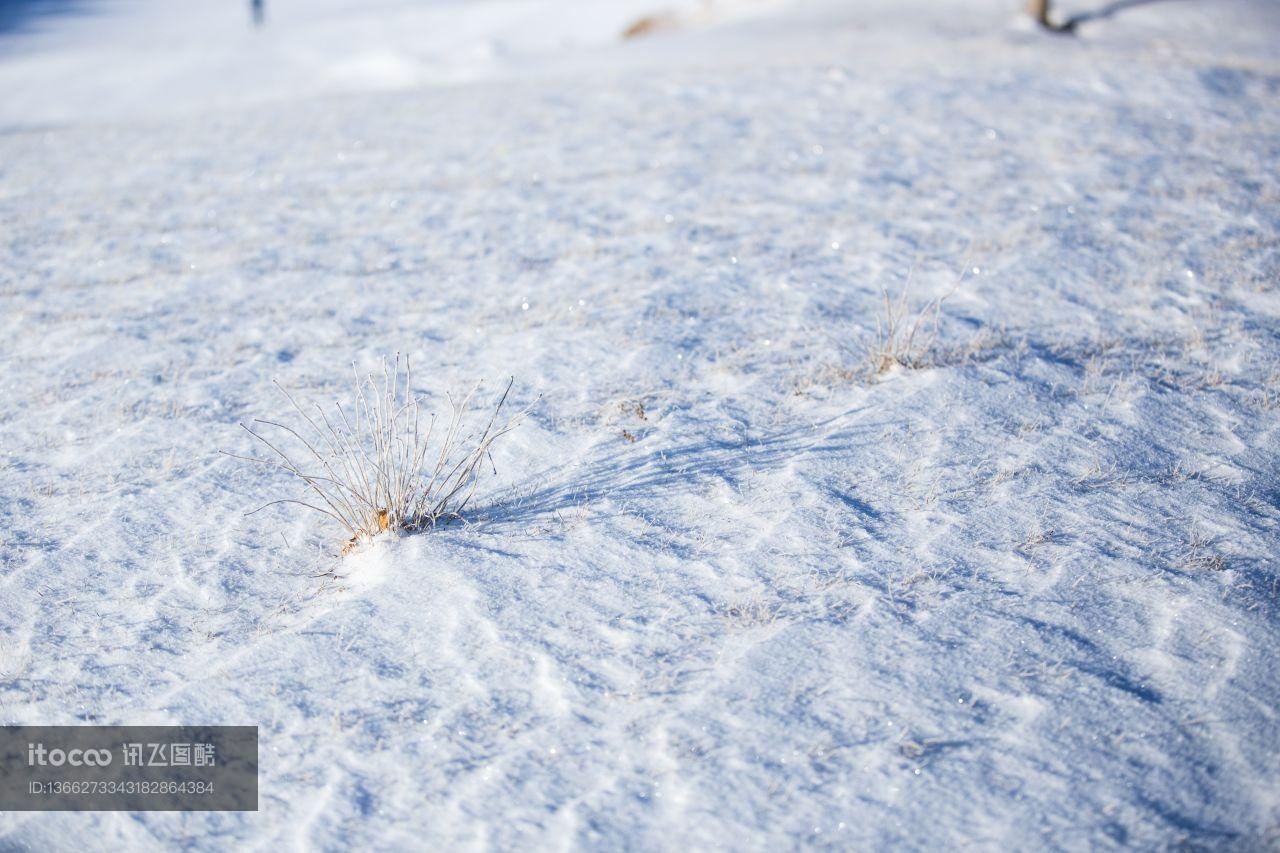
column 903, row 339
column 379, row 465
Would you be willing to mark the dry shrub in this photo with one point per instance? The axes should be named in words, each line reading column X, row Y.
column 377, row 466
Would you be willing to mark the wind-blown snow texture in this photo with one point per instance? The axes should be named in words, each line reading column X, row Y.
column 1025, row 597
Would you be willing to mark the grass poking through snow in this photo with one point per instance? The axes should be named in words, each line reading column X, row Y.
column 379, row 465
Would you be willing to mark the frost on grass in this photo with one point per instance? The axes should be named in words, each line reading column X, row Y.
column 903, row 339
column 378, row 464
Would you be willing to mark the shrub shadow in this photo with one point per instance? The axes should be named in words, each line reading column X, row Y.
column 620, row 472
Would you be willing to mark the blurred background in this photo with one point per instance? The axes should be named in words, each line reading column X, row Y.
column 62, row 59
column 66, row 60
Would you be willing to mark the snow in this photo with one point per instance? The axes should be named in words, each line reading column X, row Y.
column 1024, row 596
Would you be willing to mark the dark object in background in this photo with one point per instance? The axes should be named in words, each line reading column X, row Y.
column 1039, row 10
column 259, row 11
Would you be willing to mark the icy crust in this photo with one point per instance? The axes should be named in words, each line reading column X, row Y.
column 1022, row 596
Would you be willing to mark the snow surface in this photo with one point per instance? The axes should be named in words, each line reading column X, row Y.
column 1026, row 597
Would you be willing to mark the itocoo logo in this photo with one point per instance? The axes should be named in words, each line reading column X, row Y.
column 38, row 756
